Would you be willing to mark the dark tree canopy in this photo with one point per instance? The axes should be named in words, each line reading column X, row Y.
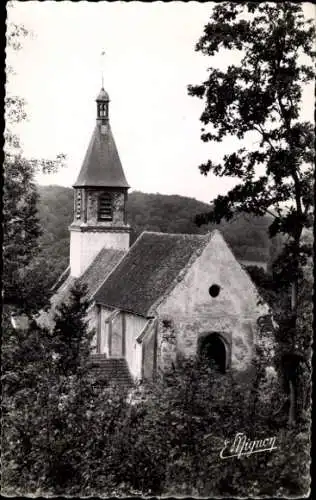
column 261, row 95
column 71, row 339
column 24, row 283
column 260, row 98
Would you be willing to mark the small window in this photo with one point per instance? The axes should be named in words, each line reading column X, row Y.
column 78, row 205
column 214, row 290
column 105, row 207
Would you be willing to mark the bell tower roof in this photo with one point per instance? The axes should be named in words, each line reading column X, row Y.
column 102, row 166
column 103, row 95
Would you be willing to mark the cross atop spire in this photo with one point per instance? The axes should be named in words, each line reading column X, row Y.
column 102, row 99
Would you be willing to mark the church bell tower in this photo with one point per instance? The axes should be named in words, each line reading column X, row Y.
column 100, row 196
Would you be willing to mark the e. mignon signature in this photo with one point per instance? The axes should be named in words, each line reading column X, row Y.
column 242, row 446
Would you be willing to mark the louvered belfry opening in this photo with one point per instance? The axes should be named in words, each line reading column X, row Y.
column 105, row 208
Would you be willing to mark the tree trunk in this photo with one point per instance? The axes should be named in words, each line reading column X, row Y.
column 294, row 303
column 292, row 408
column 294, row 294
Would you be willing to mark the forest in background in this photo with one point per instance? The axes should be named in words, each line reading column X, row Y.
column 247, row 235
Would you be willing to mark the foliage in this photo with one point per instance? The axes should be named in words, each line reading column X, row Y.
column 180, row 430
column 164, row 439
column 262, row 94
column 260, row 98
column 20, row 222
column 70, row 342
column 21, row 226
column 42, row 373
column 274, row 288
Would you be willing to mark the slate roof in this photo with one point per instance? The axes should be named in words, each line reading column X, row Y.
column 147, row 270
column 93, row 277
column 61, row 279
column 102, row 165
column 100, row 268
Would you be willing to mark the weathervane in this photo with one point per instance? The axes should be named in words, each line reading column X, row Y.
column 102, row 67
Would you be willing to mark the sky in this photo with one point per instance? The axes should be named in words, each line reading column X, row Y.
column 149, row 62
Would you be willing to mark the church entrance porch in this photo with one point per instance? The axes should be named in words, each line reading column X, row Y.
column 213, row 348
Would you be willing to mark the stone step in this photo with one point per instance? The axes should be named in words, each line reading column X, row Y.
column 112, row 371
column 110, row 361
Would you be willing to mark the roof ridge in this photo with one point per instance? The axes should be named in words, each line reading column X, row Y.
column 94, row 259
column 178, row 234
column 151, row 254
column 90, row 265
column 123, row 256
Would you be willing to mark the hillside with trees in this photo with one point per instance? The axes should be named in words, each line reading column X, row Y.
column 247, row 235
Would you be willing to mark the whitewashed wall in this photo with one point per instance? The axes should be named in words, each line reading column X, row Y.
column 104, row 330
column 192, row 312
column 134, row 326
column 85, row 246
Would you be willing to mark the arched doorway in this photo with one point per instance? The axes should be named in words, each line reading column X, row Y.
column 212, row 349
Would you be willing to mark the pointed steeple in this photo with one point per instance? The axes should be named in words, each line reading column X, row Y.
column 100, row 197
column 102, row 166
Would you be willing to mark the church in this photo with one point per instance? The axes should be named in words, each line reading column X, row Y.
column 167, row 295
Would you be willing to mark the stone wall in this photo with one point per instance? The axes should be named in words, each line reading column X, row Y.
column 168, row 338
column 118, row 200
column 192, row 312
column 88, row 235
column 149, row 353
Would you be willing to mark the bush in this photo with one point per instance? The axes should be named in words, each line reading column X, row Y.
column 65, row 435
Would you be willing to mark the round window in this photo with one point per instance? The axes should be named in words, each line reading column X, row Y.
column 214, row 290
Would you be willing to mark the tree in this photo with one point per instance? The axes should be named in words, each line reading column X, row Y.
column 44, row 395
column 260, row 98
column 21, row 227
column 71, row 341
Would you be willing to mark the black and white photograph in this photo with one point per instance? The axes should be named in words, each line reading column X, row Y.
column 158, row 215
